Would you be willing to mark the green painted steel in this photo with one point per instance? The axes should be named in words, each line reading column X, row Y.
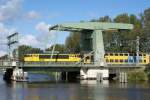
column 91, row 26
column 98, row 47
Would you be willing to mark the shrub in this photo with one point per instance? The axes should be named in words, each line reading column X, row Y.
column 147, row 71
column 137, row 76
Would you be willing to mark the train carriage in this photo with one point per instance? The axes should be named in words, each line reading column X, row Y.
column 126, row 58
column 54, row 58
column 110, row 58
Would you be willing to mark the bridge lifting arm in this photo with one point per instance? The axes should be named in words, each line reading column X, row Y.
column 91, row 26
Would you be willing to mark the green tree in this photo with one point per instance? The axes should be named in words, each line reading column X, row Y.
column 122, row 18
column 24, row 49
column 72, row 42
column 105, row 19
column 145, row 17
column 129, row 35
column 147, row 22
column 58, row 47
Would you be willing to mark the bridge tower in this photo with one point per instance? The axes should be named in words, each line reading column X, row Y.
column 13, row 43
column 92, row 38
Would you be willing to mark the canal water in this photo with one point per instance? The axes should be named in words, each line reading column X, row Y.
column 41, row 87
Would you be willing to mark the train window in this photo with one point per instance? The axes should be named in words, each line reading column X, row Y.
column 126, row 54
column 87, row 57
column 121, row 54
column 111, row 54
column 27, row 55
column 121, row 60
column 130, row 54
column 107, row 60
column 63, row 57
column 111, row 60
column 116, row 60
column 144, row 54
column 130, row 61
column 45, row 56
column 116, row 54
column 140, row 61
column 126, row 60
column 140, row 54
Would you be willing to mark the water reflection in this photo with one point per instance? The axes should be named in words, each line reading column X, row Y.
column 83, row 90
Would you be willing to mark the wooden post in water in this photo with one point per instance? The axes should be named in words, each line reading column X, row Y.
column 123, row 77
column 99, row 77
column 66, row 76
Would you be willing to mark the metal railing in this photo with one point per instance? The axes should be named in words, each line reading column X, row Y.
column 6, row 63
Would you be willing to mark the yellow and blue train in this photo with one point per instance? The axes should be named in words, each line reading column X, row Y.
column 110, row 58
column 127, row 58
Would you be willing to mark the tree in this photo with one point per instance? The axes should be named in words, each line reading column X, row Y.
column 145, row 36
column 24, row 49
column 105, row 19
column 147, row 22
column 122, row 18
column 72, row 42
column 102, row 19
column 58, row 47
column 129, row 35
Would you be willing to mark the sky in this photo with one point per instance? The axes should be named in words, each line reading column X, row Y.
column 32, row 18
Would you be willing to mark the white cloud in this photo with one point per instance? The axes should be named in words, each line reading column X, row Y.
column 10, row 9
column 4, row 32
column 28, row 39
column 2, row 53
column 42, row 27
column 42, row 39
column 45, row 36
column 32, row 15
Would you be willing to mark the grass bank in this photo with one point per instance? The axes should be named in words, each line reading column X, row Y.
column 138, row 75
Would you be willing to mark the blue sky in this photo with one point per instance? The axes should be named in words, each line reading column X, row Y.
column 32, row 18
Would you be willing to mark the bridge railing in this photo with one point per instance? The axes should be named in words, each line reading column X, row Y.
column 5, row 63
column 72, row 64
column 125, row 65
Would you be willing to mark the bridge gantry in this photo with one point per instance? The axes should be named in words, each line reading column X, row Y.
column 91, row 42
column 92, row 36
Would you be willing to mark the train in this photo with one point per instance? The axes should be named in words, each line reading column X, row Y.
column 110, row 58
column 53, row 58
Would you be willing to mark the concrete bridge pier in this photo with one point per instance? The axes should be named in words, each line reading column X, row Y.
column 92, row 73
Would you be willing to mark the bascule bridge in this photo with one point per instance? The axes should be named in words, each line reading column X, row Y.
column 91, row 44
column 92, row 40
